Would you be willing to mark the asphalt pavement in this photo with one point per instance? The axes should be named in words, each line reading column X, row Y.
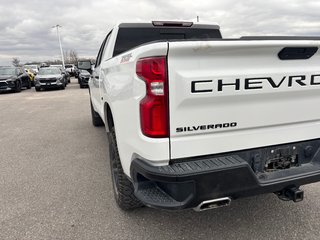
column 55, row 183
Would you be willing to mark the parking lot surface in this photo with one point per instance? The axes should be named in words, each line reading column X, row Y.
column 55, row 184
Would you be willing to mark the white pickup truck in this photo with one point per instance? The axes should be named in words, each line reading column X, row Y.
column 195, row 120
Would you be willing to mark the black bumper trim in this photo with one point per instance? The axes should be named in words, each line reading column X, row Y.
column 187, row 184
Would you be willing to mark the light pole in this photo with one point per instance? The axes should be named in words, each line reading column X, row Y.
column 57, row 27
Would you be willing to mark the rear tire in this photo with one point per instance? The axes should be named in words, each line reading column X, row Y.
column 122, row 187
column 37, row 89
column 96, row 119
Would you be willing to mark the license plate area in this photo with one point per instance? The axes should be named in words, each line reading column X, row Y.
column 282, row 158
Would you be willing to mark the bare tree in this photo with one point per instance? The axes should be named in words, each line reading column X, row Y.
column 16, row 62
column 73, row 56
column 66, row 56
column 70, row 56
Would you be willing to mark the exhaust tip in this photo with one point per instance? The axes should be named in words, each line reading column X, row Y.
column 214, row 203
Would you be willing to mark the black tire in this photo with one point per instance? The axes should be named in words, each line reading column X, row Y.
column 122, row 187
column 96, row 119
column 37, row 89
column 81, row 86
column 29, row 84
column 63, row 87
column 18, row 86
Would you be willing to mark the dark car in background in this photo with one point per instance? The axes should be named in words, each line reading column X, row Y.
column 14, row 78
column 68, row 78
column 83, row 78
column 86, row 65
column 76, row 72
column 50, row 77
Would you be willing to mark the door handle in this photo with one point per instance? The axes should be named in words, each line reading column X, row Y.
column 96, row 77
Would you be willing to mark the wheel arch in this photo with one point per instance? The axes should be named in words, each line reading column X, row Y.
column 109, row 123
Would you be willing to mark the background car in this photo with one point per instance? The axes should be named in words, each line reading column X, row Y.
column 50, row 77
column 14, row 78
column 31, row 75
column 63, row 71
column 83, row 78
column 67, row 76
column 76, row 72
column 70, row 68
column 32, row 67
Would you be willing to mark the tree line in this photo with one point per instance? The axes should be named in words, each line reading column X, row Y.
column 70, row 57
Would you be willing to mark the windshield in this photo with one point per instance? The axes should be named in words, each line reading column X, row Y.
column 84, row 71
column 49, row 71
column 7, row 71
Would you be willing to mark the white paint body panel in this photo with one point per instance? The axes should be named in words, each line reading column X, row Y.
column 121, row 88
column 264, row 117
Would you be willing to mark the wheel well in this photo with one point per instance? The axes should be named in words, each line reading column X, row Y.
column 108, row 117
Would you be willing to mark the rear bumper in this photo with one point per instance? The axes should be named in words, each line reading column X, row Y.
column 84, row 81
column 187, row 183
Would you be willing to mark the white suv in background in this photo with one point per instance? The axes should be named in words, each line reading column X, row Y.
column 70, row 68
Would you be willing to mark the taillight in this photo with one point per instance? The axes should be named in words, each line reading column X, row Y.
column 154, row 115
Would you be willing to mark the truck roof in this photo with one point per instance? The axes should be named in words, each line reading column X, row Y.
column 166, row 24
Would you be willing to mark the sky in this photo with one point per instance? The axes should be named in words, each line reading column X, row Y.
column 26, row 25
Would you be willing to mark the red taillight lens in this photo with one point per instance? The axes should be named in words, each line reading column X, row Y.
column 154, row 106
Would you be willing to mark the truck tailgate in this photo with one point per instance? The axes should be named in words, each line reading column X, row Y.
column 231, row 95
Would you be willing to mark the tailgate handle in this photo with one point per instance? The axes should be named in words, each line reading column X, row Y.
column 293, row 53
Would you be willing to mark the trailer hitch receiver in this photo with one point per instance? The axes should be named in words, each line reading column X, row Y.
column 295, row 194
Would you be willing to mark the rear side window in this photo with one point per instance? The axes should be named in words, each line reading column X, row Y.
column 102, row 49
column 129, row 38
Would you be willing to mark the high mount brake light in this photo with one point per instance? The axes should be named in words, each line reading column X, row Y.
column 171, row 24
column 154, row 110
